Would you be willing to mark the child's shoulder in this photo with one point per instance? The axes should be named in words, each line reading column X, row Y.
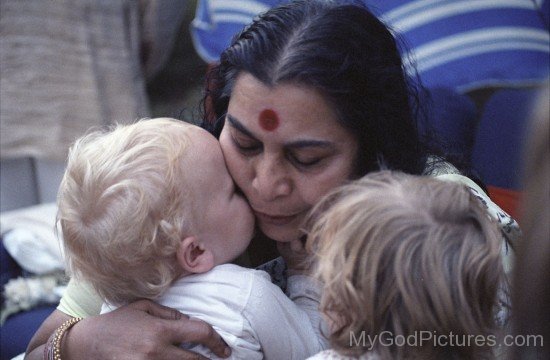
column 258, row 282
column 239, row 272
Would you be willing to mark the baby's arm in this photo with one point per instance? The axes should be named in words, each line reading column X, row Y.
column 302, row 289
column 305, row 292
column 285, row 328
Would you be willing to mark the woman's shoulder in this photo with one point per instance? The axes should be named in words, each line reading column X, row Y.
column 80, row 299
column 507, row 224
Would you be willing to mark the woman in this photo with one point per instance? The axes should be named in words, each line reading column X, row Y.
column 322, row 74
column 309, row 96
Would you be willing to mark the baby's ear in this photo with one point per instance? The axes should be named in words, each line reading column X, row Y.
column 193, row 257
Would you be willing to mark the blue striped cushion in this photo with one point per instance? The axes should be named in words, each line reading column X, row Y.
column 461, row 44
column 217, row 21
column 468, row 44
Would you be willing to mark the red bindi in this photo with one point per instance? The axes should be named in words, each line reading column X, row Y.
column 269, row 120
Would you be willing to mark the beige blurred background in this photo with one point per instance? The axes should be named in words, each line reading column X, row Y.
column 69, row 65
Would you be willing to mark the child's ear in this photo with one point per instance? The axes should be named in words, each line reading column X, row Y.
column 193, row 257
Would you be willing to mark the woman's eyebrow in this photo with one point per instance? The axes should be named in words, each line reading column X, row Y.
column 298, row 144
column 237, row 125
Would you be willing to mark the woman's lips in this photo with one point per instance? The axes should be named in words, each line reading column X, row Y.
column 274, row 219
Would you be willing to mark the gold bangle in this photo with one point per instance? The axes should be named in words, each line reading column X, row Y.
column 59, row 333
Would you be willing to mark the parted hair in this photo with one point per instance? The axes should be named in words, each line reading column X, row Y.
column 123, row 208
column 342, row 50
column 400, row 254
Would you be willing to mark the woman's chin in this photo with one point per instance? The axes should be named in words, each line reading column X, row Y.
column 280, row 234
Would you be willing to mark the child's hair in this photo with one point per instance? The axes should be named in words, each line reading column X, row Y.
column 399, row 255
column 123, row 208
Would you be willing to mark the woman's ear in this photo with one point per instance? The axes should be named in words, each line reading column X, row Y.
column 193, row 257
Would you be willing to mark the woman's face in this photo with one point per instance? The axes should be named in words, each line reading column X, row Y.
column 285, row 149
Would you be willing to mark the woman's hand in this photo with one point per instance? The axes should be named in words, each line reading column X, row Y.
column 141, row 330
column 297, row 259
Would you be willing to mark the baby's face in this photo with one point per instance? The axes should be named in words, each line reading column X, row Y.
column 223, row 221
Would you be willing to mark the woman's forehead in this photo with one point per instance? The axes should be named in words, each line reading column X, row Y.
column 274, row 108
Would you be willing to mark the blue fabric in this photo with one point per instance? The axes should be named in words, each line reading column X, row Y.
column 18, row 330
column 217, row 21
column 500, row 139
column 453, row 118
column 460, row 44
column 9, row 269
column 468, row 44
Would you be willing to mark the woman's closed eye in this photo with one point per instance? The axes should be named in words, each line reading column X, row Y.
column 304, row 161
column 247, row 146
column 301, row 157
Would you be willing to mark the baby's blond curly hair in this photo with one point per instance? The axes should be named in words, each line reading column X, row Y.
column 123, row 208
column 398, row 254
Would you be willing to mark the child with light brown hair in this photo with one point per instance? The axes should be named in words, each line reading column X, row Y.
column 411, row 267
column 149, row 210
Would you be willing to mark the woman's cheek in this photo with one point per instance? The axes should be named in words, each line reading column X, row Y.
column 313, row 189
column 233, row 158
column 239, row 169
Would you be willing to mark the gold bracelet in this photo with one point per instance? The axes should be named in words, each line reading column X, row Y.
column 59, row 333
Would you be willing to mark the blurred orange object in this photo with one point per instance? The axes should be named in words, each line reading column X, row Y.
column 507, row 199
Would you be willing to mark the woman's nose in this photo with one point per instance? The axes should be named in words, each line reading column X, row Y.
column 271, row 179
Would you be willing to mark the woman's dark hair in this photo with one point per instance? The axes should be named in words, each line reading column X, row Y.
column 343, row 51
